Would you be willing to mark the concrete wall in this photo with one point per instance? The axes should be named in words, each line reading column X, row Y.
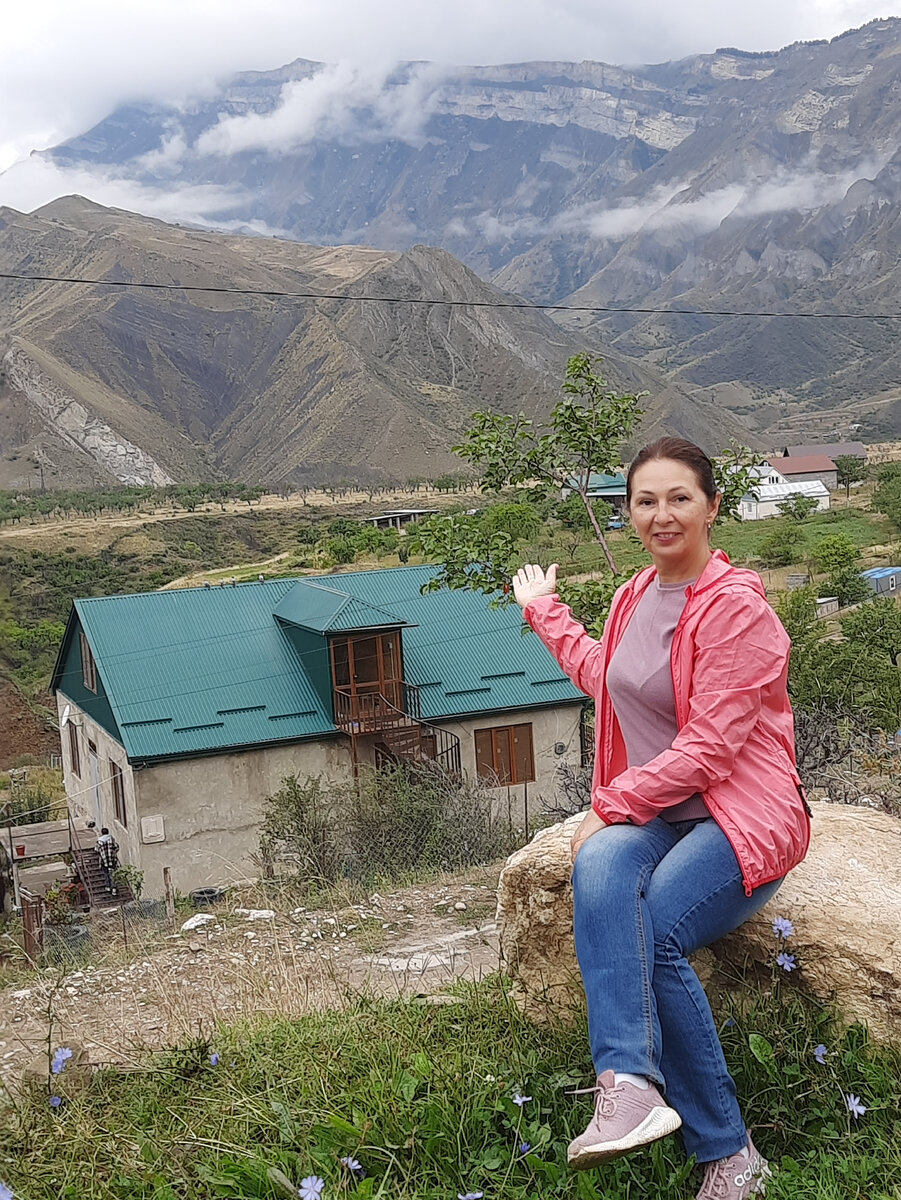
column 758, row 510
column 90, row 795
column 550, row 727
column 830, row 478
column 211, row 806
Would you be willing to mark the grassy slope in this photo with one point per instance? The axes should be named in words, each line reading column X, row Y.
column 422, row 1094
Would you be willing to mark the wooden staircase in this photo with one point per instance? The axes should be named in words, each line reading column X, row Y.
column 87, row 864
column 402, row 734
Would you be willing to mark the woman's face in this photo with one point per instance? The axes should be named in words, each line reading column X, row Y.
column 670, row 513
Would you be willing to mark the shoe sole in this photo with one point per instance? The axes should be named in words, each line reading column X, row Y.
column 657, row 1124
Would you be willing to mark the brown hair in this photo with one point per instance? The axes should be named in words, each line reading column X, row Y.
column 679, row 450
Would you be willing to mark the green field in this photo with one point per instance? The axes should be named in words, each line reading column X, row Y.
column 422, row 1096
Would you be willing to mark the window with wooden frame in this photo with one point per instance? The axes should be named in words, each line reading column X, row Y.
column 118, row 782
column 88, row 666
column 504, row 755
column 74, row 751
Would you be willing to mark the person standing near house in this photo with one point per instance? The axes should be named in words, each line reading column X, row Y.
column 108, row 853
column 697, row 815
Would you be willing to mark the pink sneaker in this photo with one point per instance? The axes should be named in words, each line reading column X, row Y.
column 625, row 1118
column 735, row 1178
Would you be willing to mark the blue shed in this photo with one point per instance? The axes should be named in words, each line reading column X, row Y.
column 885, row 581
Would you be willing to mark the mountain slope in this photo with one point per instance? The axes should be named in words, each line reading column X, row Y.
column 102, row 384
column 766, row 181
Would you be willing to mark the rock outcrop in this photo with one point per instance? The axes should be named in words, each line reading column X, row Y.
column 844, row 901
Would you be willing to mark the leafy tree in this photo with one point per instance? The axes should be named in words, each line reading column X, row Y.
column 734, row 472
column 835, row 554
column 848, row 584
column 572, row 513
column 876, row 626
column 520, row 521
column 584, row 435
column 850, row 470
column 797, row 508
column 781, row 548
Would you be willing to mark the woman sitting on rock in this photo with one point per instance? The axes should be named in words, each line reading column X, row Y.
column 697, row 814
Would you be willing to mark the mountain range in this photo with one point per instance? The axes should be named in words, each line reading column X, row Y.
column 763, row 182
column 101, row 384
column 745, row 182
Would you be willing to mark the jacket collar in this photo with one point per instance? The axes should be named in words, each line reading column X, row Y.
column 717, row 569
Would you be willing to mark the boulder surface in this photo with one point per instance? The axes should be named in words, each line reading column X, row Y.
column 844, row 901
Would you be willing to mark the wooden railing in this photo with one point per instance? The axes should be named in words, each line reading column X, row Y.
column 370, row 712
column 373, row 712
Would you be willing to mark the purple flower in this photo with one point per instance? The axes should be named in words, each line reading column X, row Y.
column 470, row 1195
column 214, row 1059
column 730, row 1021
column 311, row 1187
column 855, row 1108
column 819, row 1053
column 786, row 962
column 519, row 1099
column 60, row 1058
column 6, row 1193
column 55, row 1101
column 782, row 927
column 524, row 1147
column 356, row 1168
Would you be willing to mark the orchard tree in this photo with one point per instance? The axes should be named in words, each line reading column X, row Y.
column 850, row 470
column 797, row 508
column 584, row 436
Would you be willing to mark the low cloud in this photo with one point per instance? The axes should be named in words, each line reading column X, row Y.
column 343, row 102
column 36, row 181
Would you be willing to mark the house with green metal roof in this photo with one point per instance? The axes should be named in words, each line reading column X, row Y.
column 182, row 710
column 601, row 486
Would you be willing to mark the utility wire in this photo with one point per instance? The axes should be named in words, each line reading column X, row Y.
column 426, row 301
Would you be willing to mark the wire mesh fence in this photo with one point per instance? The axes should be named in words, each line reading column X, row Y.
column 319, row 842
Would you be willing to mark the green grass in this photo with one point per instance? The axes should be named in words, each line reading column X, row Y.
column 422, row 1094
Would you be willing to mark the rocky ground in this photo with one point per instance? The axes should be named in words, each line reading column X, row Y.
column 164, row 989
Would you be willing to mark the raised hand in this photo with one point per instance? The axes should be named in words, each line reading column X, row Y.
column 531, row 581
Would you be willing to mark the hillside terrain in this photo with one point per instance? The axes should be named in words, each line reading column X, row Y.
column 763, row 181
column 104, row 385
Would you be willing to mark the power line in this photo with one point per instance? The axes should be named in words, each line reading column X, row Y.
column 427, row 301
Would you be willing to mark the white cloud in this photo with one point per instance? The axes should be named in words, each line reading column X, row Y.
column 339, row 102
column 33, row 183
column 64, row 65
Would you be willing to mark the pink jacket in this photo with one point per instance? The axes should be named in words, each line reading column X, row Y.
column 736, row 741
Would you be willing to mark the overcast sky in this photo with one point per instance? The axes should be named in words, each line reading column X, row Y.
column 64, row 64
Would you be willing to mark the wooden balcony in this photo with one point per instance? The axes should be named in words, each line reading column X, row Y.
column 394, row 707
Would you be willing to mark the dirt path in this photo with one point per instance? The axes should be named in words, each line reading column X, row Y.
column 413, row 941
column 115, row 524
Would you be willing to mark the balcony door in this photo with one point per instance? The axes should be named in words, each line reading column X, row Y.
column 368, row 665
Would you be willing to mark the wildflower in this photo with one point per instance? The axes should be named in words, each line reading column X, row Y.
column 311, row 1187
column 786, row 962
column 214, row 1059
column 519, row 1099
column 820, row 1053
column 783, row 928
column 524, row 1147
column 60, row 1058
column 491, row 1079
column 855, row 1108
column 730, row 1021
column 6, row 1193
column 356, row 1168
column 470, row 1195
column 55, row 1101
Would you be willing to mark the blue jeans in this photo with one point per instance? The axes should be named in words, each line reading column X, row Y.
column 645, row 897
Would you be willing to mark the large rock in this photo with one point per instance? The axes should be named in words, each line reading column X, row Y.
column 844, row 901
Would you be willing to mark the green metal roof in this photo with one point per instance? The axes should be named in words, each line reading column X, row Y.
column 196, row 670
column 324, row 609
column 599, row 482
